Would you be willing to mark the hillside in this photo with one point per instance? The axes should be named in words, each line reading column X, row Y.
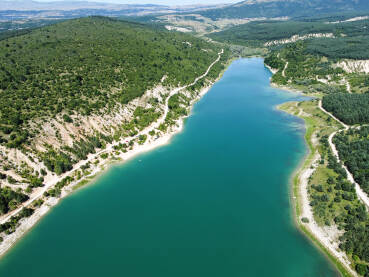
column 324, row 54
column 327, row 57
column 267, row 33
column 101, row 61
column 283, row 8
column 70, row 90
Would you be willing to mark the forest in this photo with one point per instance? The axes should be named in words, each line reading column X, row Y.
column 349, row 108
column 334, row 201
column 258, row 32
column 353, row 148
column 351, row 39
column 303, row 69
column 271, row 9
column 84, row 65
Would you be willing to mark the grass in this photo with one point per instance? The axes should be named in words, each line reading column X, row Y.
column 81, row 184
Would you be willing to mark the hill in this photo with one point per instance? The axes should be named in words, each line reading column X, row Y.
column 284, row 8
column 332, row 36
column 70, row 89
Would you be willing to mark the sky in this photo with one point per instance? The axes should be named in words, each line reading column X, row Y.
column 159, row 2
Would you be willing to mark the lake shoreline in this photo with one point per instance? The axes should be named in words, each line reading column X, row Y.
column 300, row 201
column 26, row 224
column 98, row 178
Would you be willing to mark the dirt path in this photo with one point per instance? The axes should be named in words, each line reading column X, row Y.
column 348, row 86
column 328, row 236
column 360, row 193
column 110, row 147
column 284, row 69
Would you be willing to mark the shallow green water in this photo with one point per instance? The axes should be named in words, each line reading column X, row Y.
column 214, row 202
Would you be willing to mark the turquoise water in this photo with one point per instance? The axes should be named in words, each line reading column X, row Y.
column 214, row 202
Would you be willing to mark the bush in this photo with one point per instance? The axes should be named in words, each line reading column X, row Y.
column 305, row 220
column 67, row 118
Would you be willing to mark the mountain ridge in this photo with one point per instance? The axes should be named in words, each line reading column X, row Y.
column 280, row 8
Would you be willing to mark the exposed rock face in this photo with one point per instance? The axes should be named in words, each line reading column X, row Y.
column 298, row 37
column 354, row 66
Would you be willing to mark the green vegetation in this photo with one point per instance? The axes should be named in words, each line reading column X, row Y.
column 14, row 28
column 351, row 39
column 334, row 201
column 304, row 69
column 10, row 199
column 259, row 32
column 349, row 108
column 87, row 65
column 243, row 51
column 353, row 148
column 317, row 123
column 292, row 8
column 144, row 117
column 56, row 190
column 311, row 64
column 332, row 197
column 10, row 226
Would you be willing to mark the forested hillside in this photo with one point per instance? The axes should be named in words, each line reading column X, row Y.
column 349, row 108
column 353, row 147
column 72, row 89
column 349, row 39
column 280, row 8
column 311, row 54
column 259, row 32
column 84, row 65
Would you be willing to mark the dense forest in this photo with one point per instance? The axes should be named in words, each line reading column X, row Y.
column 294, row 8
column 349, row 108
column 351, row 39
column 84, row 65
column 353, row 148
column 258, row 32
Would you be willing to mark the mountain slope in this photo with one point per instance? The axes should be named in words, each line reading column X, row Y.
column 100, row 61
column 70, row 90
column 327, row 35
column 27, row 5
column 282, row 8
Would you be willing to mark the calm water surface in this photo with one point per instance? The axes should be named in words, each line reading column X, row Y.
column 214, row 202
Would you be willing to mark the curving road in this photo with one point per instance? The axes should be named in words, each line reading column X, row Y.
column 109, row 147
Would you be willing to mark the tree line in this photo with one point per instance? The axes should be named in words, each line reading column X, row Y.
column 349, row 108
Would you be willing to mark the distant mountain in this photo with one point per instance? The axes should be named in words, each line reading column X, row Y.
column 68, row 5
column 26, row 5
column 282, row 8
column 15, row 10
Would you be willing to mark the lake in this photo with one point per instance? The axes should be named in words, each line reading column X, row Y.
column 214, row 202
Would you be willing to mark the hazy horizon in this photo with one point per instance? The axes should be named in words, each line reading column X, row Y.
column 155, row 2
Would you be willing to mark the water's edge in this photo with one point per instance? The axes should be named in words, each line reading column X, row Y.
column 292, row 179
column 295, row 195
